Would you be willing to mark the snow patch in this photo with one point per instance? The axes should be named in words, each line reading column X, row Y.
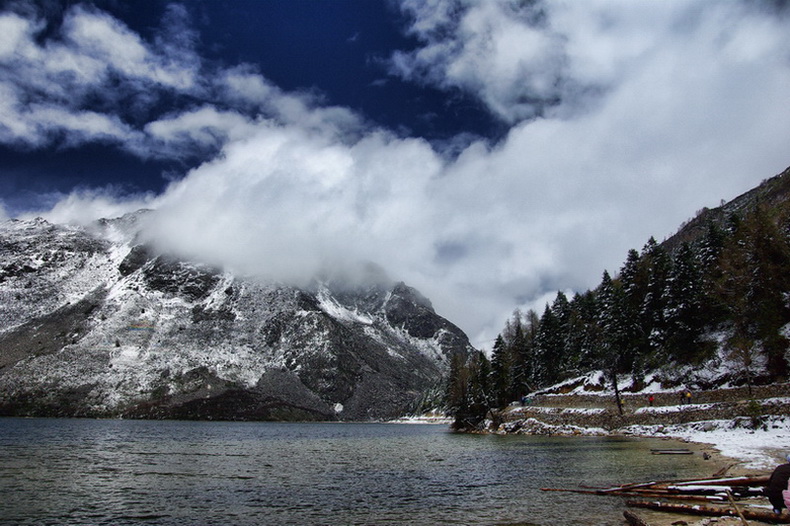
column 423, row 419
column 675, row 408
column 334, row 309
column 734, row 438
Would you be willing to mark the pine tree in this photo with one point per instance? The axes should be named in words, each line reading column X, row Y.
column 469, row 391
column 710, row 247
column 654, row 304
column 754, row 284
column 527, row 369
column 521, row 358
column 634, row 281
column 561, row 308
column 610, row 321
column 770, row 287
column 548, row 349
column 480, row 387
column 457, row 396
column 583, row 335
column 660, row 308
column 683, row 311
column 710, row 251
column 500, row 373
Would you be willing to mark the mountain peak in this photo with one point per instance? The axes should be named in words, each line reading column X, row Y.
column 98, row 323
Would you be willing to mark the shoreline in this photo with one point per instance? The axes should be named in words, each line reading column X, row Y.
column 746, row 449
column 733, row 451
column 750, row 450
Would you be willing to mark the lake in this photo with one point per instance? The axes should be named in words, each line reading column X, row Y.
column 119, row 472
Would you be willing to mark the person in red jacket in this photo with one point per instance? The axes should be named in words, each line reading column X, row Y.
column 776, row 484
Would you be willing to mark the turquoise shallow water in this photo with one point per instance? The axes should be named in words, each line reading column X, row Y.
column 96, row 472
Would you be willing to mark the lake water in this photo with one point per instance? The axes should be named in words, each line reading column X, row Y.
column 118, row 472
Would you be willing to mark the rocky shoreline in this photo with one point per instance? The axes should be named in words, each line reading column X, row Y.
column 597, row 414
column 740, row 432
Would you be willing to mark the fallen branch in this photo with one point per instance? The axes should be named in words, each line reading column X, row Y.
column 753, row 480
column 732, row 501
column 644, row 493
column 709, row 511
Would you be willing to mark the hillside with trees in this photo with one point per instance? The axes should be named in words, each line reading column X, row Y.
column 716, row 291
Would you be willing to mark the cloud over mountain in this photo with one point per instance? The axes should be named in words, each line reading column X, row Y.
column 624, row 118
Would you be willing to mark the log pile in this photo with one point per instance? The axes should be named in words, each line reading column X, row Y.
column 710, row 497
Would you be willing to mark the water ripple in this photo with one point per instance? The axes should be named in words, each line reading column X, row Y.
column 178, row 473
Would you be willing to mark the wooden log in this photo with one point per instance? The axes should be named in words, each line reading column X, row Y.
column 752, row 480
column 648, row 494
column 651, row 490
column 737, row 510
column 695, row 490
column 710, row 499
column 633, row 519
column 634, row 485
column 710, row 511
column 642, row 493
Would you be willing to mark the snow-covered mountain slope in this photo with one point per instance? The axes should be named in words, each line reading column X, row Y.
column 93, row 324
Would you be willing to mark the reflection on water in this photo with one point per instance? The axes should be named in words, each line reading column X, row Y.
column 220, row 473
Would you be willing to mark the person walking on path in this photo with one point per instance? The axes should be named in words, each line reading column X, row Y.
column 776, row 484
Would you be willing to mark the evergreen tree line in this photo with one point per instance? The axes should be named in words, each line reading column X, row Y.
column 728, row 289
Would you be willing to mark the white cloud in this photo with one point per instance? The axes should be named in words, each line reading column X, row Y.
column 243, row 83
column 83, row 126
column 15, row 33
column 49, row 86
column 85, row 206
column 110, row 43
column 37, row 124
column 524, row 59
column 14, row 126
column 501, row 51
column 285, row 202
column 656, row 110
column 206, row 126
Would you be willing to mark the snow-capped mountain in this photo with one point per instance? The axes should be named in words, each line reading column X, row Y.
column 95, row 323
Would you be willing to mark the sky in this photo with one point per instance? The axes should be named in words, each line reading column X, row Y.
column 488, row 153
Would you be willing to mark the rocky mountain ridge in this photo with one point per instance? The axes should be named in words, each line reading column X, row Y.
column 772, row 193
column 96, row 323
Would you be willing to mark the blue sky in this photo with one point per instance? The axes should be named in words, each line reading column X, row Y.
column 489, row 153
column 338, row 50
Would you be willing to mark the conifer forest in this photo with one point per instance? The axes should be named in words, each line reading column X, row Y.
column 718, row 289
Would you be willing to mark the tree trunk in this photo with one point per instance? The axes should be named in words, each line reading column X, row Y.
column 617, row 393
column 710, row 511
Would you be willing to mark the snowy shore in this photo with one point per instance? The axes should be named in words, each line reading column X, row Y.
column 755, row 449
column 749, row 426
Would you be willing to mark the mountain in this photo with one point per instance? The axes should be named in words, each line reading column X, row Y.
column 773, row 193
column 96, row 323
column 705, row 309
